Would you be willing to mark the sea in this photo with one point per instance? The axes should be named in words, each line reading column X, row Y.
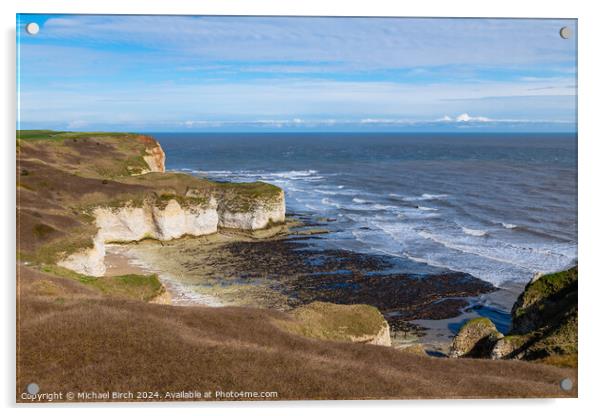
column 501, row 207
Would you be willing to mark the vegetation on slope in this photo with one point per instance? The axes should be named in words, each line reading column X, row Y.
column 101, row 343
column 129, row 286
column 546, row 316
column 544, row 325
column 330, row 321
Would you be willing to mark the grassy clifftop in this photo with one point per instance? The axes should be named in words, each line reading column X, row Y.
column 321, row 320
column 106, row 155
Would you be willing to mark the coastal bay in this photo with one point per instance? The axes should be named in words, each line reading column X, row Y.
column 220, row 268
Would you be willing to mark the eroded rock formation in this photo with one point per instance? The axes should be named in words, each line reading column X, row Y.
column 475, row 339
column 544, row 325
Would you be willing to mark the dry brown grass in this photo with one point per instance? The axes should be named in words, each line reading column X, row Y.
column 71, row 338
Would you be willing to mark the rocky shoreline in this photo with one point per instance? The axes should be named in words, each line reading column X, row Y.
column 281, row 269
column 285, row 270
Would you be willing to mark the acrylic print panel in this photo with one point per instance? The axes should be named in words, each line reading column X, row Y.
column 295, row 208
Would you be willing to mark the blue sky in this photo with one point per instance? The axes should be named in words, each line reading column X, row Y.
column 182, row 73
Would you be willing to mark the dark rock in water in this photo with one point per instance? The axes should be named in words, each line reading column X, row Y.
column 326, row 219
column 475, row 339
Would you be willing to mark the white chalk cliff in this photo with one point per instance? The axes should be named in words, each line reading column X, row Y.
column 166, row 221
column 383, row 337
column 129, row 223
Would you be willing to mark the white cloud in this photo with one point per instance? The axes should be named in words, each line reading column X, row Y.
column 202, row 123
column 465, row 117
column 282, row 101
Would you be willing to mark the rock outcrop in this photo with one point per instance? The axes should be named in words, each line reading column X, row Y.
column 353, row 323
column 475, row 339
column 508, row 347
column 544, row 319
column 544, row 325
column 89, row 261
column 155, row 157
column 545, row 300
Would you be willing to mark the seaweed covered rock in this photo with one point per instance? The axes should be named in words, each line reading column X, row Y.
column 475, row 339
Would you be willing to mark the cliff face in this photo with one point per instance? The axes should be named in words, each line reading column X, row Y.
column 155, row 157
column 78, row 191
column 128, row 223
column 259, row 216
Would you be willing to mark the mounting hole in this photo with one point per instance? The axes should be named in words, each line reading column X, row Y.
column 33, row 388
column 32, row 28
column 565, row 32
column 566, row 384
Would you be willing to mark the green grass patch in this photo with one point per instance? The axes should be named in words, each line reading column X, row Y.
column 478, row 322
column 129, row 286
column 547, row 287
column 62, row 135
column 56, row 249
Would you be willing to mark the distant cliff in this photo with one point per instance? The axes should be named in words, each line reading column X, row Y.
column 79, row 191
